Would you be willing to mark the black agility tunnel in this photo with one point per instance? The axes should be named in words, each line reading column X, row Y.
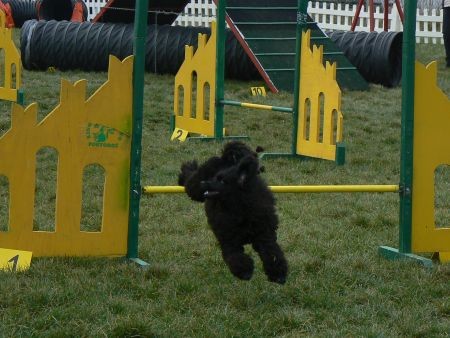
column 160, row 12
column 60, row 9
column 22, row 10
column 376, row 55
column 87, row 46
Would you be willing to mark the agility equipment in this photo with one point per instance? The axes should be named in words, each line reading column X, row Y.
column 87, row 46
column 431, row 131
column 428, row 139
column 419, row 232
column 160, row 12
column 197, row 70
column 14, row 260
column 19, row 11
column 12, row 77
column 317, row 116
column 6, row 9
column 372, row 17
column 293, row 189
column 319, row 124
column 424, row 147
column 93, row 130
column 195, row 91
column 378, row 56
column 105, row 129
column 317, row 119
column 267, row 32
column 425, row 126
column 71, row 10
column 317, row 98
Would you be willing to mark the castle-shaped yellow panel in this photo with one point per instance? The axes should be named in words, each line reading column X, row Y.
column 320, row 120
column 431, row 149
column 10, row 70
column 195, row 87
column 84, row 132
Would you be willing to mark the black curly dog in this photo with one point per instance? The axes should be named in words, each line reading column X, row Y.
column 240, row 209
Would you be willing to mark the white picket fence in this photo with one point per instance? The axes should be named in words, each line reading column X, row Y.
column 329, row 16
column 94, row 6
column 332, row 16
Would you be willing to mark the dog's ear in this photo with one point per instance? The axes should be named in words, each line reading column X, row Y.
column 248, row 168
column 187, row 169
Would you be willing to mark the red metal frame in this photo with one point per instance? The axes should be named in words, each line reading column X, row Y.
column 371, row 16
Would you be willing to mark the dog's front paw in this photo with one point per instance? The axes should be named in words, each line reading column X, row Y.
column 279, row 279
column 278, row 273
column 241, row 266
column 244, row 270
column 187, row 169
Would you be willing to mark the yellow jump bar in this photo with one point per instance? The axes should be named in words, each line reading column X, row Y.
column 256, row 106
column 292, row 189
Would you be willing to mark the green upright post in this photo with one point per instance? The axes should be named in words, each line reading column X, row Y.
column 302, row 7
column 21, row 97
column 140, row 31
column 406, row 160
column 220, row 68
column 407, row 139
column 220, row 76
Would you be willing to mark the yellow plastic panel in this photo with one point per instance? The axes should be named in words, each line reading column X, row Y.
column 93, row 131
column 316, row 80
column 8, row 90
column 444, row 257
column 431, row 149
column 202, row 63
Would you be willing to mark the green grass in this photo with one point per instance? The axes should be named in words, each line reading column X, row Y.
column 337, row 286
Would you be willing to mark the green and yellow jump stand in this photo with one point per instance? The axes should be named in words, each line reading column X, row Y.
column 425, row 147
column 318, row 120
column 197, row 77
column 83, row 131
column 195, row 92
column 104, row 129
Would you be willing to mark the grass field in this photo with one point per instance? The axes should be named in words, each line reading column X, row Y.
column 337, row 286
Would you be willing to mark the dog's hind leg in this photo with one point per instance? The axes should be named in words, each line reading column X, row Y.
column 272, row 257
column 240, row 264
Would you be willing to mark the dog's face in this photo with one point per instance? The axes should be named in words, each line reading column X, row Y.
column 234, row 151
column 231, row 181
